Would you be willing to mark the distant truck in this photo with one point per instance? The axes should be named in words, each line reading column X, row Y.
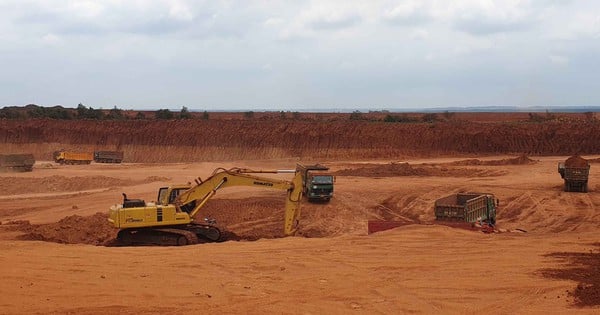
column 16, row 162
column 108, row 156
column 467, row 207
column 317, row 184
column 68, row 157
column 575, row 172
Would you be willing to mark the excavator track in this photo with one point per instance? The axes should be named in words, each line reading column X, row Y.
column 208, row 233
column 184, row 237
column 169, row 236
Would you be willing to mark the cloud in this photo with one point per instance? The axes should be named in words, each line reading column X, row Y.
column 412, row 12
column 293, row 52
column 334, row 22
column 491, row 17
column 479, row 26
column 559, row 60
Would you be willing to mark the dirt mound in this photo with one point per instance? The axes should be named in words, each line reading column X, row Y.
column 405, row 169
column 576, row 161
column 520, row 160
column 74, row 229
column 583, row 268
column 57, row 183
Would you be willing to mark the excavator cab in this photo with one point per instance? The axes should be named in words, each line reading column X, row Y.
column 167, row 196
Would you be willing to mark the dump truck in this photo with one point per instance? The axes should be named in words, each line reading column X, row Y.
column 108, row 156
column 575, row 172
column 467, row 207
column 16, row 162
column 69, row 157
column 317, row 184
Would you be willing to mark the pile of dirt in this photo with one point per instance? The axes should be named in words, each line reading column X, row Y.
column 520, row 160
column 57, row 183
column 576, row 161
column 74, row 229
column 405, row 169
column 583, row 268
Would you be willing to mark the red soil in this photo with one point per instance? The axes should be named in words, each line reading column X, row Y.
column 73, row 229
column 201, row 140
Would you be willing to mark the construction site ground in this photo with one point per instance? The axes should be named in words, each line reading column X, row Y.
column 544, row 258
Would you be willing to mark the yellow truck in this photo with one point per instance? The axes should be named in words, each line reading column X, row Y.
column 70, row 157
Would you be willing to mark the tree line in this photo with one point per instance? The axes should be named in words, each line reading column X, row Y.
column 85, row 112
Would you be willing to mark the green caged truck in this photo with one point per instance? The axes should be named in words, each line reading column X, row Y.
column 575, row 172
column 467, row 207
column 317, row 184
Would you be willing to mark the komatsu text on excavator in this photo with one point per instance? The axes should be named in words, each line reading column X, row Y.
column 170, row 221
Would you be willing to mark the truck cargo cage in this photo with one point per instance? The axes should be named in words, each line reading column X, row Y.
column 16, row 162
column 575, row 172
column 108, row 156
column 466, row 207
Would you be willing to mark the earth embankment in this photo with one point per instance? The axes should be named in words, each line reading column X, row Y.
column 205, row 140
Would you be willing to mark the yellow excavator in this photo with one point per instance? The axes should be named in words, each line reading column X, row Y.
column 170, row 221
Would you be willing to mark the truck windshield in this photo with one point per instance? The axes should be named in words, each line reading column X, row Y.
column 323, row 179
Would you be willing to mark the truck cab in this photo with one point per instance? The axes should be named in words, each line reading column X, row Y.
column 317, row 185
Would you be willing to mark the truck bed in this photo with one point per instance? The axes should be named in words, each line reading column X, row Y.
column 464, row 207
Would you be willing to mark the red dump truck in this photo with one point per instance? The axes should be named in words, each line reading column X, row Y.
column 575, row 172
column 467, row 207
column 16, row 162
column 108, row 156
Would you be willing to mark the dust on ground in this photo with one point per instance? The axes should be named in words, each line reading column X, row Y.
column 581, row 267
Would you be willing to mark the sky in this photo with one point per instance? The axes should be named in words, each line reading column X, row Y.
column 299, row 55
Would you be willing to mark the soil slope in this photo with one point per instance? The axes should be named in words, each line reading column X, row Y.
column 202, row 140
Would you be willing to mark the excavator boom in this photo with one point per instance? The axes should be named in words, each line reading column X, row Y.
column 221, row 178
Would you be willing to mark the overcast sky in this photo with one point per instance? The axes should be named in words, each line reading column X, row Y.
column 299, row 55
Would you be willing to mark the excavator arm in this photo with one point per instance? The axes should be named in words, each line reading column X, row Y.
column 222, row 178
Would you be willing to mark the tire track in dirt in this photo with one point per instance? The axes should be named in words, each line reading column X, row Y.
column 553, row 211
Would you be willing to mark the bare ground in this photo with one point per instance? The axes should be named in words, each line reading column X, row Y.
column 51, row 264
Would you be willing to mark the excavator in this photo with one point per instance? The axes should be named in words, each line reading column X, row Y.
column 170, row 220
